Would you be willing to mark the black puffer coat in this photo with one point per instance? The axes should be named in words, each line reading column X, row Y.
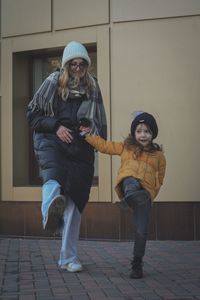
column 72, row 165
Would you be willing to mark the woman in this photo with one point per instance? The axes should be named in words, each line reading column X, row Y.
column 65, row 101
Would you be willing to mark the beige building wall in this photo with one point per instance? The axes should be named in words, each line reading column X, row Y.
column 21, row 17
column 133, row 10
column 74, row 13
column 155, row 68
column 148, row 59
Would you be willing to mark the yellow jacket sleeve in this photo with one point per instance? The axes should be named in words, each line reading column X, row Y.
column 161, row 168
column 103, row 146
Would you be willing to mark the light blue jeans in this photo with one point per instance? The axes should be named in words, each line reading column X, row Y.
column 71, row 221
column 70, row 234
column 50, row 190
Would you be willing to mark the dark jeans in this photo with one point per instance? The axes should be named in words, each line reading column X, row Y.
column 141, row 209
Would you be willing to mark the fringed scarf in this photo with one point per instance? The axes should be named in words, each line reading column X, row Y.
column 92, row 108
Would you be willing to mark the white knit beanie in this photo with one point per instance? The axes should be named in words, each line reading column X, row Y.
column 75, row 50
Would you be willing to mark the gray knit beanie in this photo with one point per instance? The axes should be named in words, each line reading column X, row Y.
column 75, row 50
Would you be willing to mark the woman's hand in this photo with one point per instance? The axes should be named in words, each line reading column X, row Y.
column 64, row 134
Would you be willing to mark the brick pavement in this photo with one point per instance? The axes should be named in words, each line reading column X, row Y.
column 29, row 271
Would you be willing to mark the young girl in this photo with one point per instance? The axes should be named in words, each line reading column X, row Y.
column 140, row 176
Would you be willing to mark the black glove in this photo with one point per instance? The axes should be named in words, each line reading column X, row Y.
column 85, row 122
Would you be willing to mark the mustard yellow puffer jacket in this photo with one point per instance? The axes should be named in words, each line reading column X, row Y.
column 149, row 168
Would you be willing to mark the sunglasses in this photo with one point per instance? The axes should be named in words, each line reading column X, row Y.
column 75, row 66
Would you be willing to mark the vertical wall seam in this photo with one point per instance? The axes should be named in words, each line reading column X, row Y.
column 156, row 221
column 52, row 20
column 194, row 219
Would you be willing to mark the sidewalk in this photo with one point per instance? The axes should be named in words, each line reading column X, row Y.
column 28, row 271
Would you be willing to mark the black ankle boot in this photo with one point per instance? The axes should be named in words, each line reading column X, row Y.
column 136, row 271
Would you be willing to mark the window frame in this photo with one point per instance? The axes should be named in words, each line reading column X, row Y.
column 99, row 36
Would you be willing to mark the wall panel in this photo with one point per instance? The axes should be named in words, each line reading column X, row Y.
column 76, row 13
column 129, row 10
column 175, row 219
column 169, row 221
column 156, row 68
column 25, row 16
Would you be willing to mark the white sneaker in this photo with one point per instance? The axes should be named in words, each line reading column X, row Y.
column 55, row 213
column 72, row 267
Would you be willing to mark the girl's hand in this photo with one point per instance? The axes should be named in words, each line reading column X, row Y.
column 64, row 134
column 84, row 129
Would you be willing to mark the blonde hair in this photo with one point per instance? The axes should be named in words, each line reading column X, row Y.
column 64, row 81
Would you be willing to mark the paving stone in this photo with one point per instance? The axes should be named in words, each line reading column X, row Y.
column 27, row 296
column 60, row 291
column 29, row 270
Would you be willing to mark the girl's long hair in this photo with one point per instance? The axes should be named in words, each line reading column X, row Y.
column 64, row 82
